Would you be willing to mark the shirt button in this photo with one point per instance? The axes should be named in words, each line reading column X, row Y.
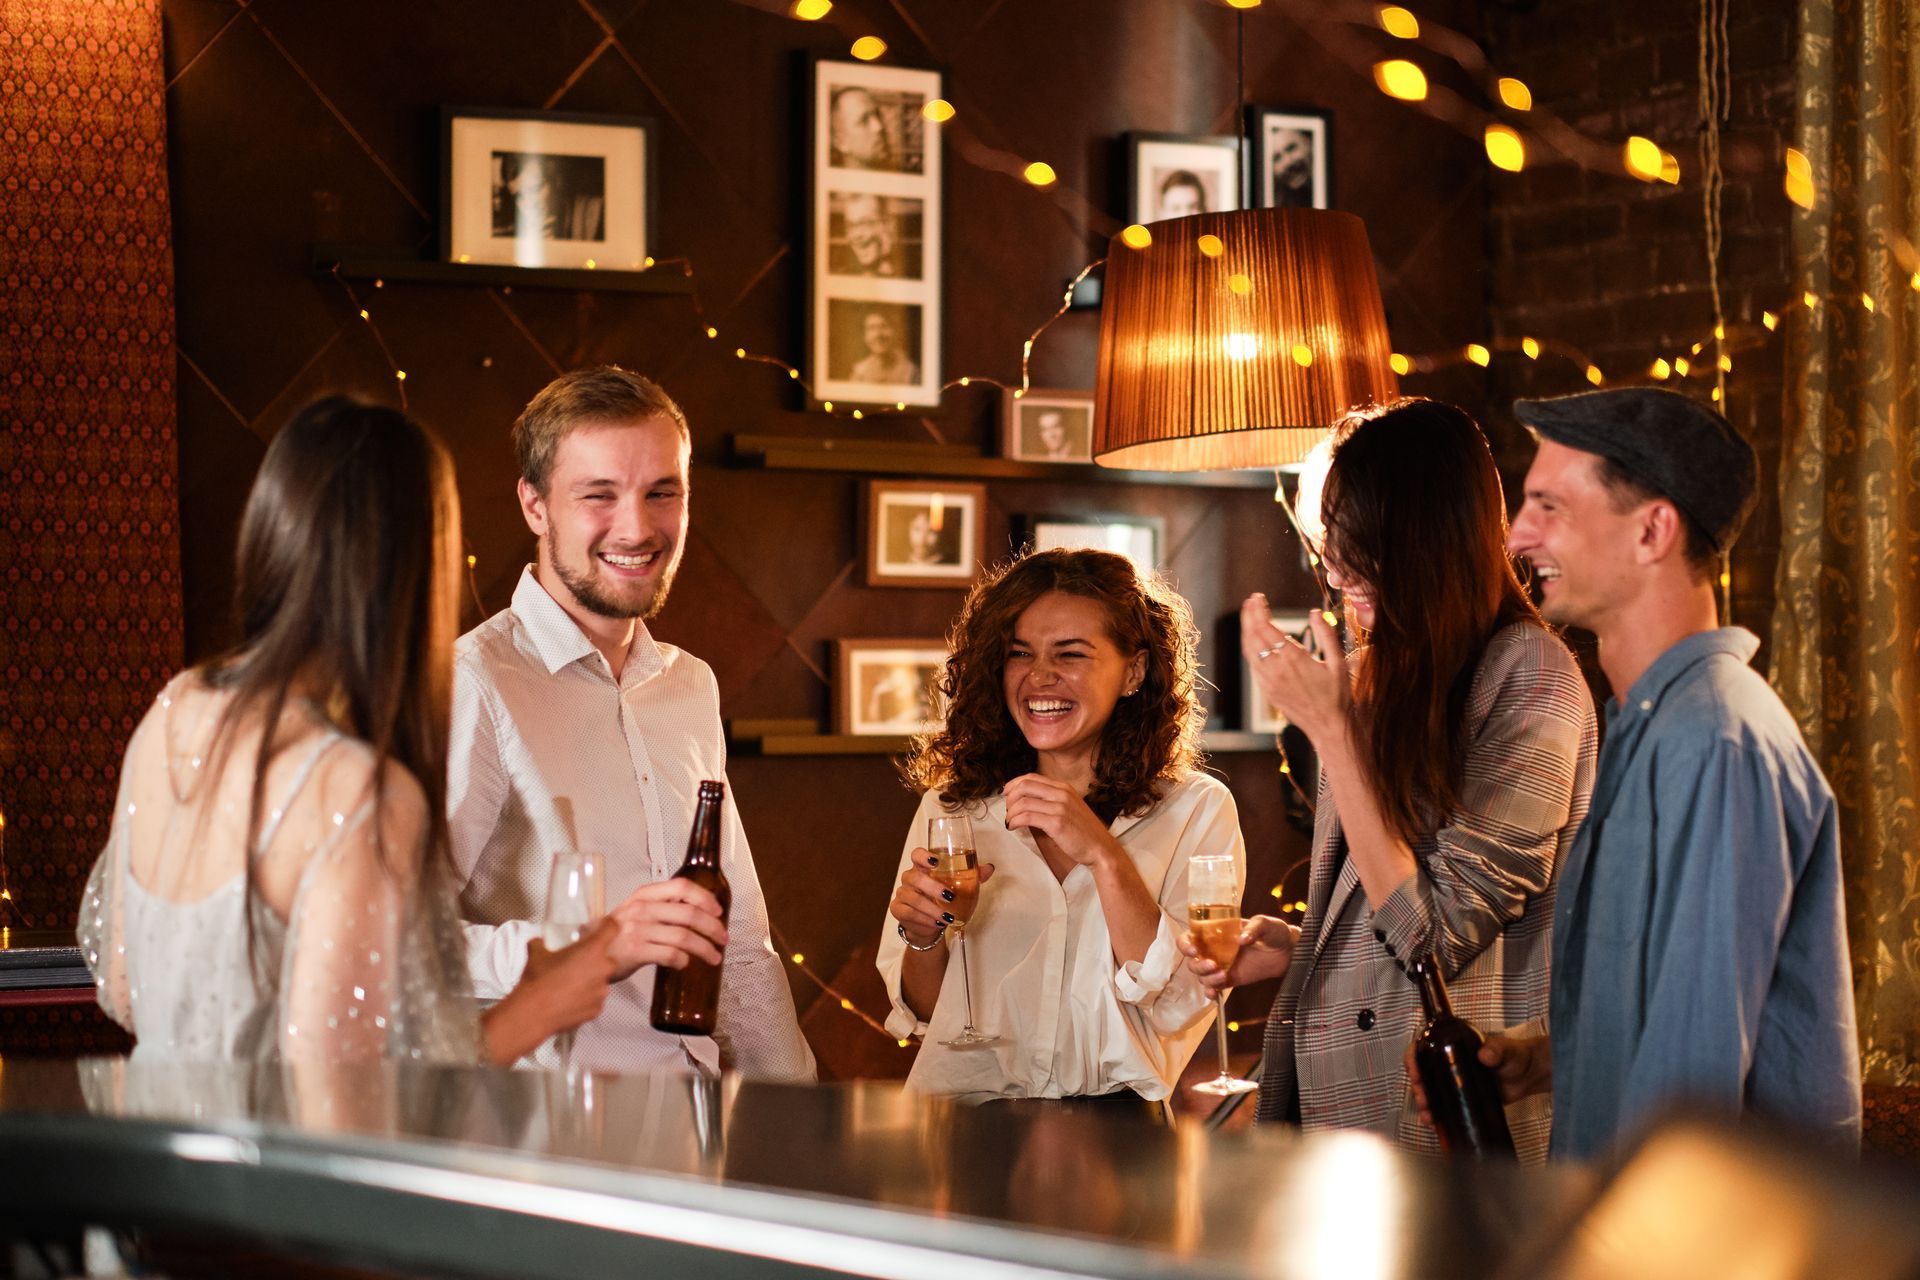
column 1365, row 1021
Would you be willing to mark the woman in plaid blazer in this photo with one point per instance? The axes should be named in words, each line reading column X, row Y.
column 1456, row 753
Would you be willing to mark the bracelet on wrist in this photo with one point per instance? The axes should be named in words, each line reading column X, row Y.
column 900, row 927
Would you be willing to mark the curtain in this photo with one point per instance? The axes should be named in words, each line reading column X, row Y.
column 1846, row 630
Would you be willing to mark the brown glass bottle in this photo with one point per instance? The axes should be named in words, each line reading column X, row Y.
column 686, row 1001
column 1462, row 1092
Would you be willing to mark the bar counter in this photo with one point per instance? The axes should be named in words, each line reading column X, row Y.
column 496, row 1173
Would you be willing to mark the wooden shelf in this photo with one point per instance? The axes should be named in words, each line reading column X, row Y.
column 374, row 264
column 803, row 738
column 878, row 457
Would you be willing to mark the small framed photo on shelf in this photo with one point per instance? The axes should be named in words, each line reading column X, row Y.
column 1293, row 157
column 1138, row 538
column 1047, row 426
column 920, row 534
column 874, row 235
column 1257, row 714
column 888, row 686
column 546, row 189
column 1172, row 175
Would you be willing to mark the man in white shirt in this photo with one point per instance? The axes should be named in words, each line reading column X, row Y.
column 571, row 724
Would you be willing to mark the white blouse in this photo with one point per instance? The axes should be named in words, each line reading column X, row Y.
column 1071, row 1020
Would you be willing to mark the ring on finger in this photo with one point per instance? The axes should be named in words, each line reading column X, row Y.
column 1264, row 654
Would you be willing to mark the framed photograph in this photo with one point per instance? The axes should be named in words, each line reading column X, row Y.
column 1047, row 426
column 874, row 263
column 1138, row 538
column 920, row 534
column 1292, row 157
column 888, row 686
column 1172, row 175
column 1257, row 714
column 546, row 188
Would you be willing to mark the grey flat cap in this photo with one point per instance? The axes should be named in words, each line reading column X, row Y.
column 1672, row 444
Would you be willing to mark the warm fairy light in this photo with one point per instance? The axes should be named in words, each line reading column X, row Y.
column 400, row 374
column 712, row 332
column 1661, row 369
column 1716, row 395
column 1210, row 245
column 1240, row 284
column 1669, row 168
column 1915, row 282
column 1302, row 355
column 901, row 1043
column 827, row 405
column 1799, row 181
column 1479, row 354
column 1726, row 579
column 798, row 958
column 1530, row 348
column 740, row 353
column 1594, row 375
column 1040, row 173
column 1401, row 365
column 1810, row 298
column 1233, row 1026
column 867, row 48
column 1505, row 149
column 858, row 414
column 901, row 405
column 1719, row 333
column 965, row 381
column 811, row 10
column 591, row 264
column 1276, row 891
column 647, row 263
column 1698, row 347
column 364, row 315
column 1515, row 94
column 794, row 374
column 472, row 561
column 1020, row 394
column 1401, row 79
column 1331, row 621
column 1682, row 366
column 845, row 1003
column 1138, row 237
column 939, row 111
column 1726, row 364
column 1642, row 157
column 1772, row 321
column 1284, row 768
column 1396, row 21
column 1866, row 300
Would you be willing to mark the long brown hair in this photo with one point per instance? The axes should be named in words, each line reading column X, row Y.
column 345, row 584
column 1152, row 738
column 1414, row 510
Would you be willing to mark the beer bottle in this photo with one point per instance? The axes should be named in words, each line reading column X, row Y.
column 1462, row 1092
column 686, row 1001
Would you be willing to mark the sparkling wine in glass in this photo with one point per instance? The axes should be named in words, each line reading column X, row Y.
column 576, row 900
column 1213, row 918
column 957, row 866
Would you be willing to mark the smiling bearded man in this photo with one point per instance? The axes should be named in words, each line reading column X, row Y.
column 574, row 729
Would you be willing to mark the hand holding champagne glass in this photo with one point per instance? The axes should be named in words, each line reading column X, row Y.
column 1213, row 921
column 957, row 866
column 576, row 900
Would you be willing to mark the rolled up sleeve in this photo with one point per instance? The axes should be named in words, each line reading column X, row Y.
column 1160, row 987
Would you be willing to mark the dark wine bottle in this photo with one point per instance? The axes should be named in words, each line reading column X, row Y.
column 687, row 1001
column 1463, row 1094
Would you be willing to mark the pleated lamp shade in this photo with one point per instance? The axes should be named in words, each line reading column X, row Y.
column 1236, row 339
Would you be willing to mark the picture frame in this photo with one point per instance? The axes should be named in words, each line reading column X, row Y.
column 888, row 687
column 1139, row 538
column 1292, row 150
column 875, row 270
column 1047, row 426
column 553, row 189
column 922, row 533
column 1172, row 175
column 1257, row 715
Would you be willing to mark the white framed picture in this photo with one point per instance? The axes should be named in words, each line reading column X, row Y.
column 888, row 687
column 1047, row 426
column 1138, row 538
column 1293, row 157
column 1176, row 175
column 922, row 534
column 546, row 189
column 1257, row 714
column 874, row 265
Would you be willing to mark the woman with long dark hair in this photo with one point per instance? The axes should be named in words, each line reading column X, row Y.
column 1072, row 744
column 1456, row 751
column 276, row 881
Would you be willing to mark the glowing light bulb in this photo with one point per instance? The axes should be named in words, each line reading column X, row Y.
column 1396, row 21
column 1515, row 94
column 1505, row 148
column 867, row 48
column 712, row 332
column 811, row 10
column 1136, row 237
column 740, row 353
column 472, row 561
column 1040, row 173
column 827, row 405
column 1233, row 1026
column 1530, row 348
column 939, row 111
column 1276, row 891
column 1669, row 168
column 1772, row 321
column 1726, row 364
column 1400, row 364
column 1479, row 354
column 1401, row 79
column 1594, row 375
column 1799, row 180
column 1866, row 300
column 858, row 414
column 1210, row 245
column 400, row 375
column 1810, row 298
column 798, row 958
column 845, row 1003
column 1661, row 370
column 1682, row 366
column 1642, row 157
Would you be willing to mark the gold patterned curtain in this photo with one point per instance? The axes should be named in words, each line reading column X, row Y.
column 1846, row 630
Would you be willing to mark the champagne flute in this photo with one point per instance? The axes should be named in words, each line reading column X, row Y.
column 1213, row 917
column 950, row 841
column 576, row 900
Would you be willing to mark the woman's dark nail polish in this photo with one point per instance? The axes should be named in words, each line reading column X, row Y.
column 947, row 894
column 948, row 917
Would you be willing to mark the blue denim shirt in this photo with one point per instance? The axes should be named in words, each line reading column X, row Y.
column 1700, row 946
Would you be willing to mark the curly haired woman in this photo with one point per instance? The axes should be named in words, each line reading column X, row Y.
column 1071, row 744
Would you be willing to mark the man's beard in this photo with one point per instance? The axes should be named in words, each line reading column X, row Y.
column 595, row 599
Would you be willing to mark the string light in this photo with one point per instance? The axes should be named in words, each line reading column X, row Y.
column 1643, row 158
column 1661, row 369
column 1514, row 94
column 1669, row 168
column 1400, row 364
column 867, row 48
column 1401, row 79
column 1479, row 354
column 1138, row 237
column 1594, row 375
column 1682, row 366
column 1396, row 21
column 1799, row 179
column 1040, row 173
column 1505, row 148
column 939, row 111
column 1530, row 348
column 811, row 10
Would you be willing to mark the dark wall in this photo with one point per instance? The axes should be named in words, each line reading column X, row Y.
column 294, row 123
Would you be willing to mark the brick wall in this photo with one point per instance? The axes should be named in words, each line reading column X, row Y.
column 1618, row 267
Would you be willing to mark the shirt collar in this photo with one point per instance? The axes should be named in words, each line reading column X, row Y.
column 1681, row 658
column 559, row 641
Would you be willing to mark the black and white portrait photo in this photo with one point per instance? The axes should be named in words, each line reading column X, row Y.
column 1049, row 426
column 1293, row 158
column 1178, row 175
column 549, row 197
column 874, row 235
column 874, row 128
column 921, row 535
column 873, row 343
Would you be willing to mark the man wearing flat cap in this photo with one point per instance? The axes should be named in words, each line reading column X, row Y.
column 1699, row 945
